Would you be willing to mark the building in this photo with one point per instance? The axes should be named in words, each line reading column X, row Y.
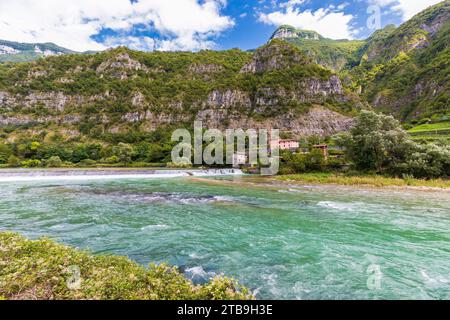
column 285, row 144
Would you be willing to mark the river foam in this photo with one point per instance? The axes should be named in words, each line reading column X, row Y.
column 94, row 175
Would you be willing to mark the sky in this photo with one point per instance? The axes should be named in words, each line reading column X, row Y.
column 192, row 25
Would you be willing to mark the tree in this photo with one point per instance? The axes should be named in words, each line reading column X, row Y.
column 93, row 151
column 155, row 153
column 314, row 160
column 429, row 161
column 32, row 163
column 53, row 162
column 124, row 152
column 79, row 153
column 5, row 153
column 34, row 146
column 298, row 162
column 376, row 142
column 28, row 150
column 13, row 161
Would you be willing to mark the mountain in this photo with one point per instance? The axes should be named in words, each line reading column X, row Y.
column 21, row 52
column 403, row 71
column 300, row 82
column 125, row 93
column 333, row 54
column 287, row 32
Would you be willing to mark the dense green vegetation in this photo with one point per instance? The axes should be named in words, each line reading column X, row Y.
column 376, row 144
column 118, row 93
column 53, row 150
column 432, row 138
column 173, row 83
column 44, row 270
column 168, row 74
column 431, row 132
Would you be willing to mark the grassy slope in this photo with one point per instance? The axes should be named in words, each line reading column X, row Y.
column 376, row 181
column 433, row 132
column 431, row 127
column 40, row 269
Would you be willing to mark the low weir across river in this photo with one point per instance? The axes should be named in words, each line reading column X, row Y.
column 102, row 174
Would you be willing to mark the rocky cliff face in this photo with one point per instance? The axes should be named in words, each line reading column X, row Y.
column 276, row 56
column 221, row 109
column 318, row 121
column 122, row 89
column 288, row 32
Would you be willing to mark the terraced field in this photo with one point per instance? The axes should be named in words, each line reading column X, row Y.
column 432, row 132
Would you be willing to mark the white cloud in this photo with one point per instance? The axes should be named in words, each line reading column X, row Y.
column 291, row 3
column 183, row 24
column 328, row 22
column 132, row 42
column 408, row 8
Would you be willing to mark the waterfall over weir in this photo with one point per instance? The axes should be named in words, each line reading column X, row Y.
column 107, row 174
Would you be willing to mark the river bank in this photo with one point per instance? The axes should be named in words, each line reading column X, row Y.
column 371, row 181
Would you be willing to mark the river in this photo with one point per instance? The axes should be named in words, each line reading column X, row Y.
column 282, row 241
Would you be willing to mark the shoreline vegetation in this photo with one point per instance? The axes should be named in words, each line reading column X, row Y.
column 45, row 270
column 364, row 180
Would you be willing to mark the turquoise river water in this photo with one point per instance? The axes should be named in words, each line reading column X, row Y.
column 282, row 241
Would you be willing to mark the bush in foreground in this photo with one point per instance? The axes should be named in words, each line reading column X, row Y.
column 42, row 269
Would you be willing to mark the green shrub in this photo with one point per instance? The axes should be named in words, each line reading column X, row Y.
column 5, row 153
column 112, row 160
column 314, row 160
column 43, row 270
column 335, row 163
column 87, row 163
column 428, row 161
column 13, row 162
column 54, row 162
column 32, row 163
column 286, row 170
column 184, row 163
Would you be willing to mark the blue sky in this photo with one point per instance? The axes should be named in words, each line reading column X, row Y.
column 192, row 24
